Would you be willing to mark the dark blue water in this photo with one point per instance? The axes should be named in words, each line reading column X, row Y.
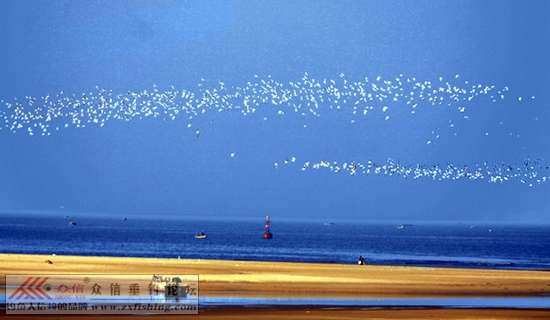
column 461, row 245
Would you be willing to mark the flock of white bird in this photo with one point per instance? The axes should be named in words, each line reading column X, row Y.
column 530, row 172
column 306, row 97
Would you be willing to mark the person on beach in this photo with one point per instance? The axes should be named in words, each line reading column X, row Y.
column 361, row 261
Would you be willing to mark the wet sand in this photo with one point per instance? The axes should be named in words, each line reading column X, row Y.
column 326, row 314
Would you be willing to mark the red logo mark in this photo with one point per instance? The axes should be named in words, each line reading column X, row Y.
column 31, row 289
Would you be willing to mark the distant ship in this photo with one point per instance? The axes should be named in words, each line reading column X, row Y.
column 201, row 235
column 267, row 233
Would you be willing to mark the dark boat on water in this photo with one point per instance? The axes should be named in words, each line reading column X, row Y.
column 201, row 235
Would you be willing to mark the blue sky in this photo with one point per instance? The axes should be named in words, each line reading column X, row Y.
column 156, row 167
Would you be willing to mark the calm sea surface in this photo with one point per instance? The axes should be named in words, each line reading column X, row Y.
column 495, row 246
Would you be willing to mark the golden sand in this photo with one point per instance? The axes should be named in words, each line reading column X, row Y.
column 240, row 278
column 283, row 279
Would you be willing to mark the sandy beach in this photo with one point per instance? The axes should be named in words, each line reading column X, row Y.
column 282, row 279
column 267, row 279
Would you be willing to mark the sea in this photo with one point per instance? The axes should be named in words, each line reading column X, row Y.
column 498, row 246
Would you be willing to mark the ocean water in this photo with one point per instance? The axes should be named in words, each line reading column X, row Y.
column 461, row 245
column 449, row 302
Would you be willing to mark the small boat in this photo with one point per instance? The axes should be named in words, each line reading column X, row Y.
column 71, row 221
column 200, row 235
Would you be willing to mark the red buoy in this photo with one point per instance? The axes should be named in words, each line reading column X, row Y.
column 267, row 233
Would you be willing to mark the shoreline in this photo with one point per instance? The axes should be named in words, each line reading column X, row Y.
column 439, row 264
